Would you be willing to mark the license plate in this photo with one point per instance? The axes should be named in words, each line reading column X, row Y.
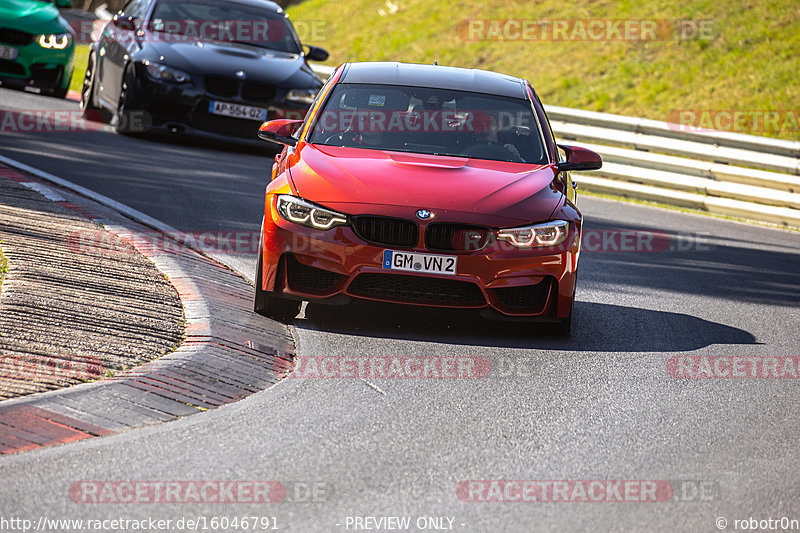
column 413, row 262
column 8, row 52
column 228, row 109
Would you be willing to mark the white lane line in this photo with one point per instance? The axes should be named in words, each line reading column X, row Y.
column 371, row 386
column 44, row 190
column 131, row 213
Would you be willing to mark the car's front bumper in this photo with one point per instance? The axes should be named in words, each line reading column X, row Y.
column 38, row 67
column 327, row 265
column 184, row 108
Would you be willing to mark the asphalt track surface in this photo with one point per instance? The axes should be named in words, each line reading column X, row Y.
column 597, row 406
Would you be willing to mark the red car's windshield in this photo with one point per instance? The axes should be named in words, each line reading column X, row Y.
column 430, row 121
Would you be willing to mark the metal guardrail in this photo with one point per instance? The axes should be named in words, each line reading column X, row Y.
column 645, row 126
column 744, row 176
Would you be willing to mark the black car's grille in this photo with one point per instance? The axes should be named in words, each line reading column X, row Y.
column 10, row 67
column 256, row 92
column 223, row 87
column 229, row 126
column 15, row 37
column 305, row 278
column 387, row 231
column 456, row 237
column 417, row 289
column 531, row 298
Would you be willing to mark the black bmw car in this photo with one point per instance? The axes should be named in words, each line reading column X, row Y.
column 210, row 68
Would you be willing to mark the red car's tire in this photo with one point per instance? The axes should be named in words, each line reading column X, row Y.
column 564, row 327
column 266, row 303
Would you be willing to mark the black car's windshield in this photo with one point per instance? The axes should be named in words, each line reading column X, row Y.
column 430, row 121
column 214, row 20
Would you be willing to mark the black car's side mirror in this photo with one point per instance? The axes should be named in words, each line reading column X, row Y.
column 315, row 53
column 279, row 131
column 123, row 22
column 579, row 159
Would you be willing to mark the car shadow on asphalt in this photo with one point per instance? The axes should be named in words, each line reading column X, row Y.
column 596, row 327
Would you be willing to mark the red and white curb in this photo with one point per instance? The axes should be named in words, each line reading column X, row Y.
column 228, row 352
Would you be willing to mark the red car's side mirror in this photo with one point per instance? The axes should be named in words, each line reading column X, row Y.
column 579, row 159
column 279, row 131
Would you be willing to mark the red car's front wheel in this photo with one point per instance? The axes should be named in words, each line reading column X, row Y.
column 265, row 303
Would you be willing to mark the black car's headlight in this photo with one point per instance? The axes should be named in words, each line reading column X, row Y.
column 547, row 234
column 160, row 72
column 56, row 41
column 304, row 96
column 305, row 213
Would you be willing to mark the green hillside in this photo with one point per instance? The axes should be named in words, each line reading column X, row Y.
column 748, row 58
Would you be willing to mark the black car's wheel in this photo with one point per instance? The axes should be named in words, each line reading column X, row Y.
column 88, row 109
column 128, row 119
column 265, row 303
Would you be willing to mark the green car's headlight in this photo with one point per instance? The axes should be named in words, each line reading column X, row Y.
column 547, row 234
column 57, row 41
column 305, row 213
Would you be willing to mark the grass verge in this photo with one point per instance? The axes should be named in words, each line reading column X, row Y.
column 81, row 58
column 3, row 266
column 745, row 59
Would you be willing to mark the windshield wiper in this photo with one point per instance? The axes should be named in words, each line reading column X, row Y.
column 250, row 43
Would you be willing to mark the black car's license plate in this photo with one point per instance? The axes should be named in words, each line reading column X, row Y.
column 228, row 109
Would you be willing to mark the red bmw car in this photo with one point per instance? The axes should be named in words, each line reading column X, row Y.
column 422, row 185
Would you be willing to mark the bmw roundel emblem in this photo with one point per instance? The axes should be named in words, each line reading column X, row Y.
column 424, row 214
column 241, row 75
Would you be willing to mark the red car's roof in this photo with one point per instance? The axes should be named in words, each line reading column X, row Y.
column 435, row 76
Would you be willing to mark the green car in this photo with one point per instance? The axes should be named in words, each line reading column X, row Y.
column 37, row 46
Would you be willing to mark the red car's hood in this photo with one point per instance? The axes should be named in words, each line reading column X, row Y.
column 341, row 177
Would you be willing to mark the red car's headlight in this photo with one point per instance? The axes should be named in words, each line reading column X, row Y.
column 547, row 234
column 299, row 211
